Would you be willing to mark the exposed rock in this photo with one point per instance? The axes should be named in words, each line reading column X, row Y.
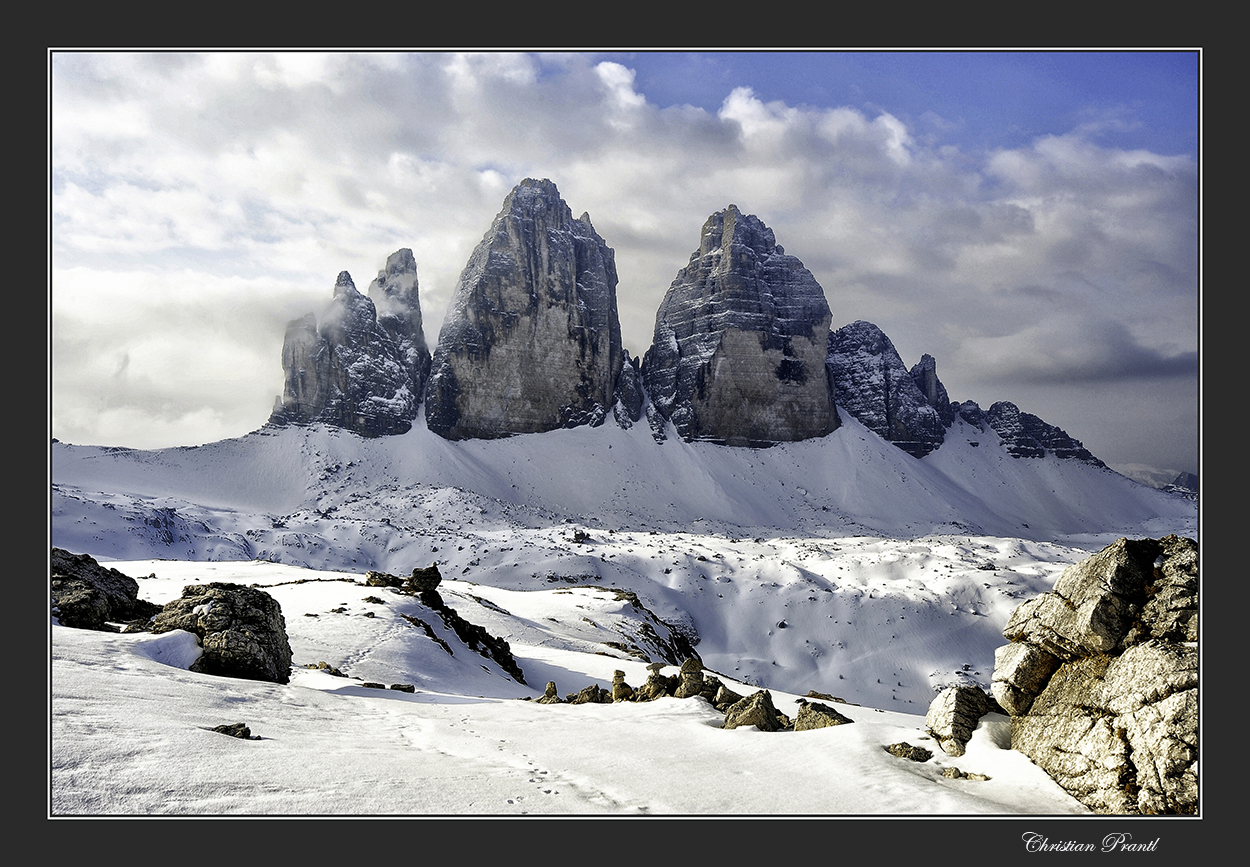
column 86, row 595
column 531, row 341
column 1027, row 436
column 1115, row 721
column 754, row 710
column 475, row 637
column 237, row 730
column 953, row 716
column 925, row 376
column 629, row 392
column 905, row 750
column 872, row 384
column 691, row 679
column 550, row 696
column 814, row 715
column 621, row 691
column 740, row 338
column 592, row 694
column 241, row 630
column 422, row 580
column 357, row 369
column 725, row 698
column 404, row 687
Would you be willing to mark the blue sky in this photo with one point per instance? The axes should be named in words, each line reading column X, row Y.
column 1029, row 219
column 983, row 99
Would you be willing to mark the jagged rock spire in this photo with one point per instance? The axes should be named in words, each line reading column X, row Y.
column 532, row 341
column 355, row 370
column 740, row 338
column 872, row 383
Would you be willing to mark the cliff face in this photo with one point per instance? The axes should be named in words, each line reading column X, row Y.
column 532, row 341
column 739, row 345
column 872, row 384
column 353, row 370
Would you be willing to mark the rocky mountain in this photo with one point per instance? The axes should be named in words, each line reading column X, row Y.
column 742, row 354
column 356, row 369
column 532, row 341
column 739, row 342
column 1025, row 435
column 872, row 383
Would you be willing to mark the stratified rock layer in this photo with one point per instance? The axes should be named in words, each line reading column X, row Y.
column 739, row 346
column 1101, row 679
column 872, row 383
column 532, row 341
column 363, row 366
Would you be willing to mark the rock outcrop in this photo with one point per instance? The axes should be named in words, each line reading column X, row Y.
column 739, row 345
column 1025, row 435
column 241, row 630
column 1101, row 678
column 86, row 595
column 363, row 366
column 532, row 341
column 872, row 384
column 953, row 716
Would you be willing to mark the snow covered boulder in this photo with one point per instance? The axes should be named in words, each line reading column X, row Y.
column 86, row 595
column 1115, row 722
column 241, row 630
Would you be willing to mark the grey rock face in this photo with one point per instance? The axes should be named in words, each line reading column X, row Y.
column 953, row 716
column 872, row 383
column 241, row 630
column 1027, row 436
column 87, row 595
column 532, row 341
column 738, row 352
column 1104, row 693
column 924, row 374
column 363, row 367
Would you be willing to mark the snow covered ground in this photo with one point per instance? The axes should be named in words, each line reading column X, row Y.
column 841, row 566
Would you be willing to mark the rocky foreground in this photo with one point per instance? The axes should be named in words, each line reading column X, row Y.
column 1100, row 677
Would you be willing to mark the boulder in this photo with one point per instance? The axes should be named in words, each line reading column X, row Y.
column 814, row 715
column 754, row 710
column 86, row 595
column 241, row 630
column 740, row 337
column 691, row 679
column 531, row 341
column 954, row 714
column 1104, row 695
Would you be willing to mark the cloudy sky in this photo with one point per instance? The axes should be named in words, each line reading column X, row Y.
column 1029, row 219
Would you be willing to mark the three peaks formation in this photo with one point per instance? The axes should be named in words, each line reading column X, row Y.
column 742, row 353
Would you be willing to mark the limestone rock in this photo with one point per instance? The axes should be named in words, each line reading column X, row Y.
column 872, row 384
column 550, row 696
column 754, row 710
column 86, row 595
column 953, row 716
column 1027, row 436
column 532, row 341
column 691, row 679
column 904, row 750
column 925, row 376
column 361, row 368
column 241, row 630
column 1104, row 697
column 814, row 715
column 739, row 346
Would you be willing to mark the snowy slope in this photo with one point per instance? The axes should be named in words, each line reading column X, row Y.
column 131, row 729
column 840, row 565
